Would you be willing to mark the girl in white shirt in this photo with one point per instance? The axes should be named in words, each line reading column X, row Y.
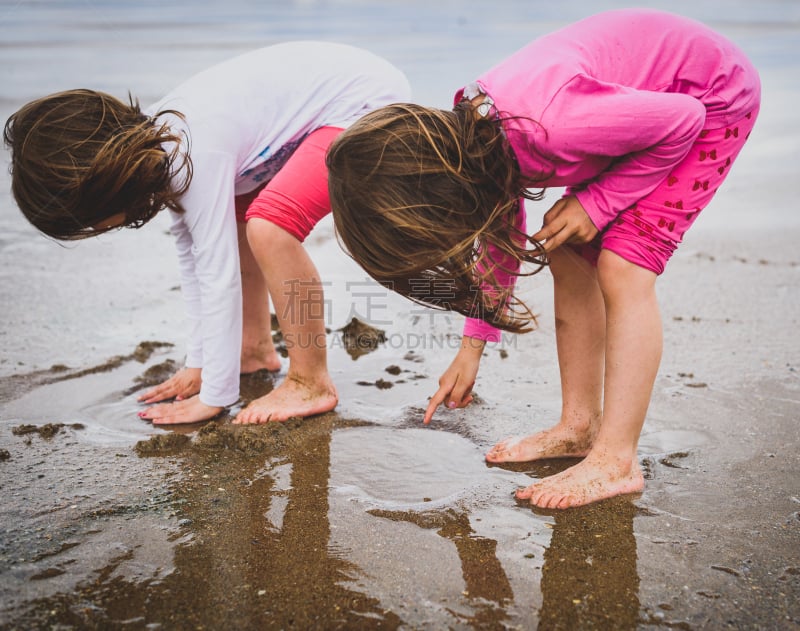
column 236, row 154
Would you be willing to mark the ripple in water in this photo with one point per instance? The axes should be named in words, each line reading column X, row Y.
column 664, row 441
column 404, row 468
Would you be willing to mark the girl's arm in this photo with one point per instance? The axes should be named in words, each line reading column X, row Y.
column 208, row 257
column 190, row 289
column 455, row 385
column 186, row 382
column 506, row 275
column 645, row 133
column 565, row 222
column 215, row 299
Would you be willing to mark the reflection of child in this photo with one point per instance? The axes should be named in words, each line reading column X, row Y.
column 242, row 141
column 640, row 114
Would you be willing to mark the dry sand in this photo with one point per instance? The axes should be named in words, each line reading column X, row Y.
column 363, row 518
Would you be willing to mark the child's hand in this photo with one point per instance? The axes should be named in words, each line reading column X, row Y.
column 191, row 410
column 182, row 385
column 565, row 222
column 455, row 385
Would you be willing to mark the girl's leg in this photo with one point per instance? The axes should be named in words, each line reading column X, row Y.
column 258, row 351
column 580, row 339
column 632, row 357
column 296, row 290
column 635, row 249
column 278, row 220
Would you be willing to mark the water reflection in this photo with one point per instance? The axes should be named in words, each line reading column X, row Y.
column 588, row 573
column 278, row 571
column 233, row 567
column 589, row 577
column 255, row 548
column 487, row 586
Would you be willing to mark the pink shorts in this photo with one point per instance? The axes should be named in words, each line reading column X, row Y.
column 297, row 197
column 648, row 232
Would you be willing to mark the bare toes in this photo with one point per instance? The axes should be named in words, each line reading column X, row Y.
column 246, row 417
column 540, row 500
column 254, row 418
column 525, row 493
column 496, row 454
column 565, row 502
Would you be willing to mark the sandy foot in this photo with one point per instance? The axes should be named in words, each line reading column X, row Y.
column 292, row 398
column 253, row 362
column 560, row 441
column 590, row 480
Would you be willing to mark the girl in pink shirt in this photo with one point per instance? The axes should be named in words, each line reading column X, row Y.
column 640, row 114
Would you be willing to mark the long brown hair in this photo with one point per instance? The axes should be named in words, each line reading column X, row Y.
column 80, row 157
column 421, row 197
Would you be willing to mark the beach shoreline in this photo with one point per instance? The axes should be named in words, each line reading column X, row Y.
column 712, row 538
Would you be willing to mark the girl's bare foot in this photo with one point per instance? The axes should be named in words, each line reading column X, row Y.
column 259, row 354
column 561, row 441
column 594, row 478
column 294, row 397
column 254, row 359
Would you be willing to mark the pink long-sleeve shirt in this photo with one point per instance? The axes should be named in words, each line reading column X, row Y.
column 609, row 105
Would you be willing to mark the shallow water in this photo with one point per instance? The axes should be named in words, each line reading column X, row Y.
column 364, row 518
column 397, row 471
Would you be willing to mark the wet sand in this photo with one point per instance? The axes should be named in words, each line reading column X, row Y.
column 364, row 518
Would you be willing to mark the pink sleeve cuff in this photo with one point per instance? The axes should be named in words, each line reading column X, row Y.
column 481, row 330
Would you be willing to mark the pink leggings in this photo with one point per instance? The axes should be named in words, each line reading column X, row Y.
column 648, row 232
column 297, row 197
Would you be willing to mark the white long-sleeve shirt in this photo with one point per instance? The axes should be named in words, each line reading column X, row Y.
column 242, row 120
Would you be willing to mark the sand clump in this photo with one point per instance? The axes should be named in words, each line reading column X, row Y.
column 161, row 444
column 46, row 431
column 155, row 375
column 359, row 338
column 140, row 354
column 250, row 439
column 222, row 436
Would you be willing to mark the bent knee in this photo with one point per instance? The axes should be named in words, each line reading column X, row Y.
column 619, row 277
column 566, row 261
